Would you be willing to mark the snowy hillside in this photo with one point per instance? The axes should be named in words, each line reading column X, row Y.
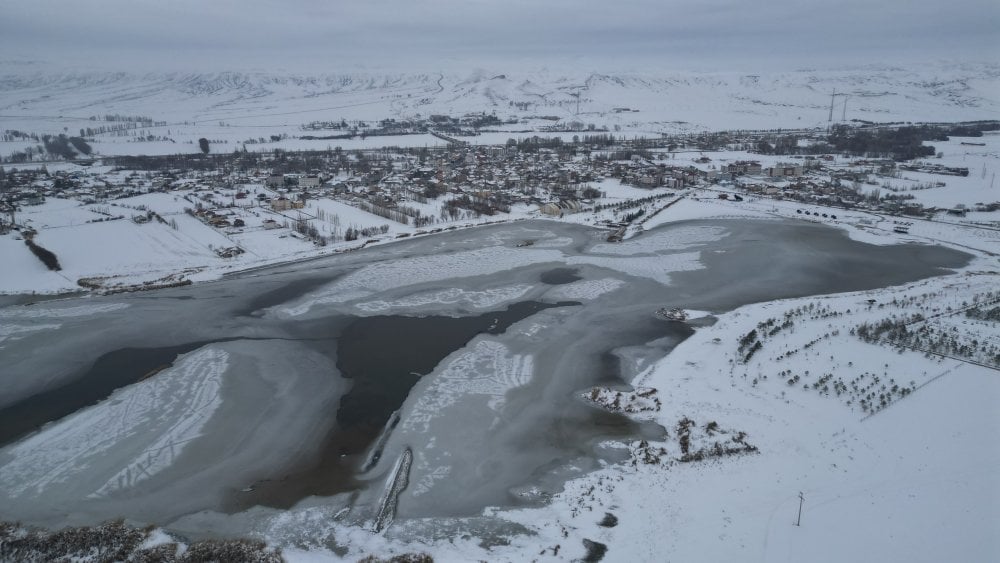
column 231, row 107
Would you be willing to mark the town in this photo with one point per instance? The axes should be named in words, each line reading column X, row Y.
column 266, row 206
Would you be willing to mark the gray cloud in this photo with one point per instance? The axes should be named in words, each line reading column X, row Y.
column 328, row 35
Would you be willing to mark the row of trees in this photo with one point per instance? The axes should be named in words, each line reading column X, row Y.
column 353, row 233
column 391, row 214
column 909, row 332
column 478, row 205
column 53, row 146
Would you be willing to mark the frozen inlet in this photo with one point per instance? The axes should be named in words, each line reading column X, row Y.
column 399, row 478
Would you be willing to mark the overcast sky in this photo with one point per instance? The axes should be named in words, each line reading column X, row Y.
column 331, row 35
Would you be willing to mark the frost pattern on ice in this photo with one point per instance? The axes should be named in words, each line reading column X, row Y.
column 585, row 289
column 484, row 299
column 528, row 331
column 60, row 312
column 426, row 483
column 409, row 271
column 486, row 368
column 157, row 417
column 679, row 238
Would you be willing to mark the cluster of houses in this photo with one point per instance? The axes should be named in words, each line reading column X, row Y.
column 557, row 180
column 494, row 177
column 754, row 168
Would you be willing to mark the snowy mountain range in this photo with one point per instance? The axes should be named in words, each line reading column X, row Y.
column 43, row 99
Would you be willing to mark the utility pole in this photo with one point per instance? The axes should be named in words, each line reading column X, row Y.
column 843, row 116
column 802, row 498
column 833, row 97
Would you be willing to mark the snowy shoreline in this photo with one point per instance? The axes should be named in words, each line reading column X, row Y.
column 697, row 204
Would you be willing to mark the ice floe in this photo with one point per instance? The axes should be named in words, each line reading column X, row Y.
column 476, row 300
column 152, row 420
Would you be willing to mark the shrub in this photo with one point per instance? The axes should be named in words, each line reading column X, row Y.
column 46, row 256
column 595, row 551
column 230, row 551
column 404, row 558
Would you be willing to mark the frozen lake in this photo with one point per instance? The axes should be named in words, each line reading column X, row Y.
column 243, row 405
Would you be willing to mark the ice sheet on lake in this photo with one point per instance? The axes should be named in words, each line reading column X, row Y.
column 476, row 300
column 14, row 332
column 485, row 370
column 656, row 268
column 383, row 276
column 553, row 242
column 149, row 422
column 585, row 289
column 11, row 318
column 60, row 312
column 678, row 238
